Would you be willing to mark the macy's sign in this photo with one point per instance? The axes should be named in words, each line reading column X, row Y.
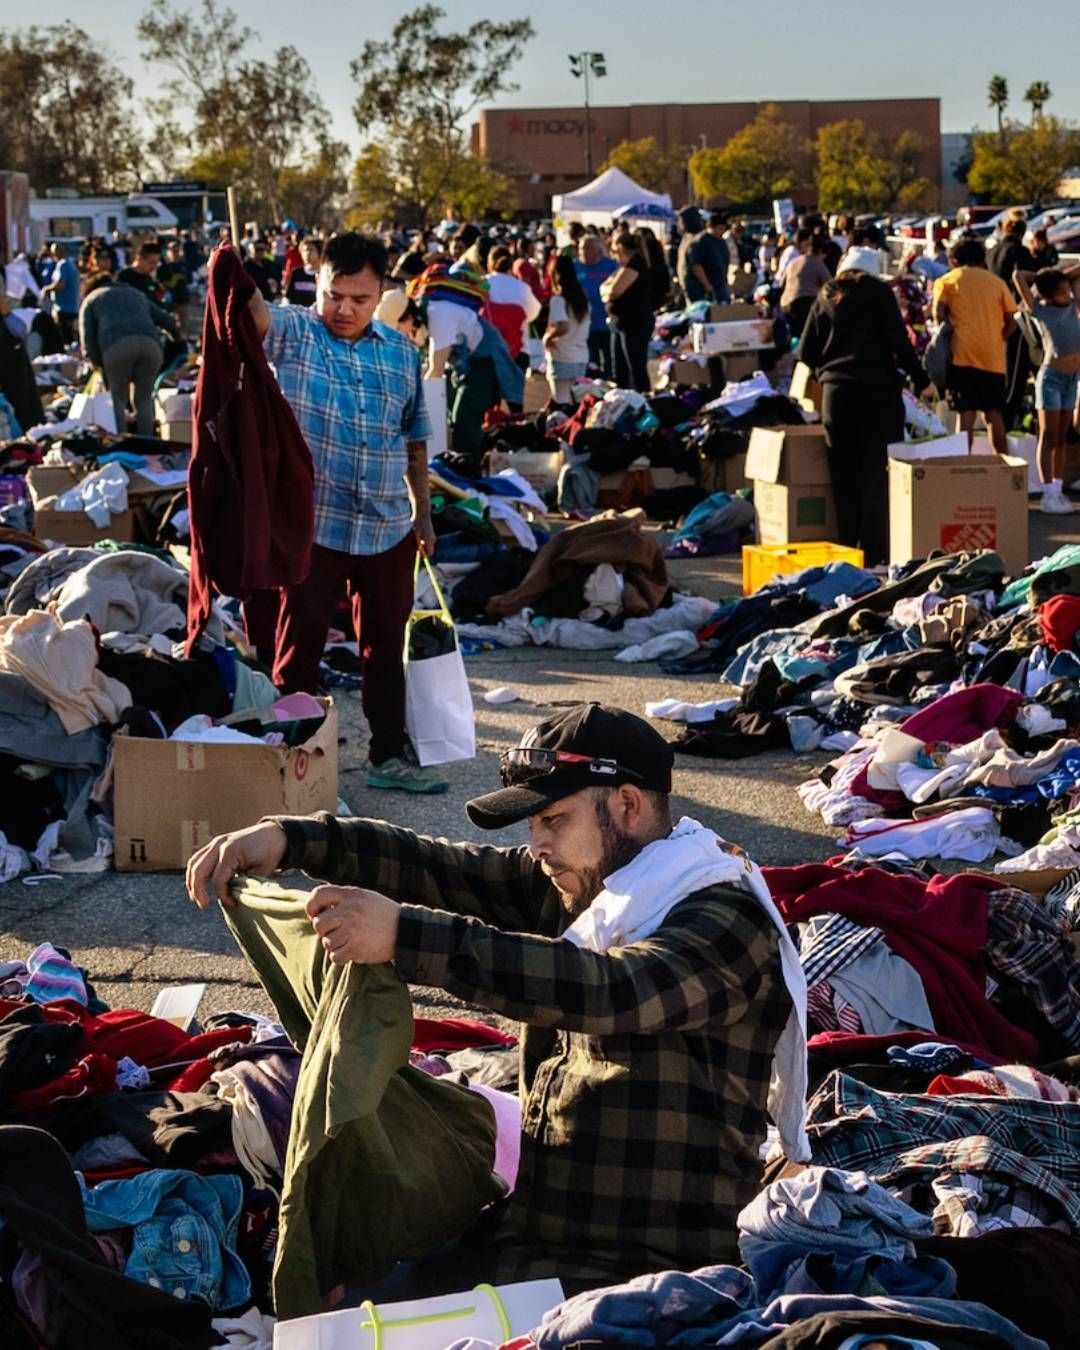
column 550, row 126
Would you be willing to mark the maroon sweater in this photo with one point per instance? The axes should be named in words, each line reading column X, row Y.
column 251, row 483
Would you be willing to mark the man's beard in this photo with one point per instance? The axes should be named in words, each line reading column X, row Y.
column 617, row 849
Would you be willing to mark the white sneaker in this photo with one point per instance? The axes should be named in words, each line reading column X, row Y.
column 1065, row 506
column 1056, row 504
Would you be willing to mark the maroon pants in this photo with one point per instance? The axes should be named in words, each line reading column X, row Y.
column 380, row 586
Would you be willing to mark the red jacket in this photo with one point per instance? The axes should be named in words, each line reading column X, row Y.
column 251, row 489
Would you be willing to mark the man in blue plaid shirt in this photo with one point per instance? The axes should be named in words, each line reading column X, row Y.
column 356, row 389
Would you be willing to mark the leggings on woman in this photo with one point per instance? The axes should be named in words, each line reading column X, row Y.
column 632, row 354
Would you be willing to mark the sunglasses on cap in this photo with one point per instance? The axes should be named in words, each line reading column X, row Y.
column 524, row 763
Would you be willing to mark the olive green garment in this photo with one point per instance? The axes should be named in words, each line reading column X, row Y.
column 385, row 1163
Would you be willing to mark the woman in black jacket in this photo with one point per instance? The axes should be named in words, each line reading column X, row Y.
column 857, row 346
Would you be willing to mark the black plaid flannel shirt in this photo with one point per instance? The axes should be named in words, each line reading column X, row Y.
column 645, row 1069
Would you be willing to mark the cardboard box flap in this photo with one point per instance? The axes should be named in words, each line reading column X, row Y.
column 46, row 481
column 735, row 312
column 171, row 797
column 788, row 455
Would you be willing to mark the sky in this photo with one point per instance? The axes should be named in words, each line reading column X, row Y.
column 715, row 51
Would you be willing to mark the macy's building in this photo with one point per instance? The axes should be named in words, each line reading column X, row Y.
column 544, row 148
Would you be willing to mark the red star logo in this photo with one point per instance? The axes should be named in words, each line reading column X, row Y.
column 517, row 123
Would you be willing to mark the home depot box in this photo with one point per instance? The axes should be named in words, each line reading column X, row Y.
column 171, row 797
column 805, row 390
column 70, row 527
column 957, row 502
column 740, row 336
column 793, row 495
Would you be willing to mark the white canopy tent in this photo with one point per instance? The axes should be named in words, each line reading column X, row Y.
column 614, row 193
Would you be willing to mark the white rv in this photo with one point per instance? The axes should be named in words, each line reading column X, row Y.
column 74, row 219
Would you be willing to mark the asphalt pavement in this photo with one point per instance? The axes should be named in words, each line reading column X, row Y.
column 139, row 933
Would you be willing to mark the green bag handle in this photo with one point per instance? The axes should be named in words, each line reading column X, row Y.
column 444, row 609
column 376, row 1324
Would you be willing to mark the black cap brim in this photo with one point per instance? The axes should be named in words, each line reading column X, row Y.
column 509, row 805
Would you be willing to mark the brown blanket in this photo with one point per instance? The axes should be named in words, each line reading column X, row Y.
column 614, row 538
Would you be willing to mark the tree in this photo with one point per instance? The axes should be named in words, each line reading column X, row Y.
column 644, row 161
column 256, row 124
column 65, row 111
column 203, row 47
column 407, row 186
column 312, row 191
column 416, row 92
column 856, row 171
column 766, row 159
column 1022, row 163
column 998, row 97
column 1038, row 95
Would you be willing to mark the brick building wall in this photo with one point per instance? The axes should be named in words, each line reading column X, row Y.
column 544, row 148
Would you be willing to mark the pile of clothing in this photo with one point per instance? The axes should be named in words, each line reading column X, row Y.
column 943, row 1021
column 620, row 432
column 950, row 693
column 599, row 584
column 91, row 647
column 109, row 475
column 176, row 1188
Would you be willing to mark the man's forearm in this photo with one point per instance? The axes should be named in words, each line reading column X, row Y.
column 260, row 312
column 683, row 983
column 502, row 886
column 416, row 475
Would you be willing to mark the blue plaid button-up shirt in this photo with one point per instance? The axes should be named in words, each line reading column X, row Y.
column 358, row 404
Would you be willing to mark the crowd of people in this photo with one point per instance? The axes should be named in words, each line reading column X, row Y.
column 666, row 1009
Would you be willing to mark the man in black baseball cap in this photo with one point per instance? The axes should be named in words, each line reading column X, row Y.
column 640, row 957
column 562, row 779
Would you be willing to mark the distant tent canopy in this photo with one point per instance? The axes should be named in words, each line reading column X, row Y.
column 611, row 196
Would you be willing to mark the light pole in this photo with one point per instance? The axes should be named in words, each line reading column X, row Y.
column 581, row 66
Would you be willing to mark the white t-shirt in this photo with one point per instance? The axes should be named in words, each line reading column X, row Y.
column 573, row 345
column 447, row 322
column 506, row 289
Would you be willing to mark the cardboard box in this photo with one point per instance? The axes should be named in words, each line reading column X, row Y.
column 175, row 431
column 723, row 475
column 171, row 797
column 741, row 336
column 1027, row 449
column 70, row 527
column 805, row 390
column 793, row 495
column 740, row 365
column 734, row 312
column 686, row 370
column 538, row 467
column 957, row 502
column 172, row 406
column 611, row 484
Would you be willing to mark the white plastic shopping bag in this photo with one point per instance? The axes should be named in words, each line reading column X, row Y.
column 487, row 1313
column 438, row 705
column 94, row 410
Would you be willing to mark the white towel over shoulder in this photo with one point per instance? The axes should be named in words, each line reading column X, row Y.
column 637, row 899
